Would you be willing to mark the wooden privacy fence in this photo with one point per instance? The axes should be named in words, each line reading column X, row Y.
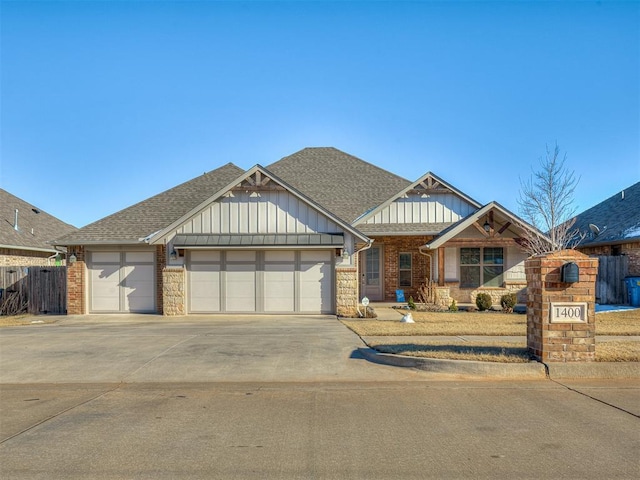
column 610, row 286
column 34, row 290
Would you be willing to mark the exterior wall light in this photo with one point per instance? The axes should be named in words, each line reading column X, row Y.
column 486, row 226
column 73, row 258
column 174, row 254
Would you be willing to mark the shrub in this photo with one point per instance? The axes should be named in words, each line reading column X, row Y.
column 411, row 303
column 508, row 301
column 453, row 307
column 483, row 301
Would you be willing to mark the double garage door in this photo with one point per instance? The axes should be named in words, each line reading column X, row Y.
column 122, row 282
column 269, row 281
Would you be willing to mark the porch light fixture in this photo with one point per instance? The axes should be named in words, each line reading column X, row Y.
column 173, row 254
column 486, row 226
column 345, row 254
column 73, row 258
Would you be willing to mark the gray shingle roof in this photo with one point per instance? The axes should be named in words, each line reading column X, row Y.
column 618, row 218
column 343, row 184
column 45, row 227
column 402, row 228
column 155, row 213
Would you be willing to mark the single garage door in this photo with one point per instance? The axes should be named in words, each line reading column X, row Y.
column 269, row 281
column 121, row 282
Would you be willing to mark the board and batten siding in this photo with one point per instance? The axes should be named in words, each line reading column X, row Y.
column 268, row 212
column 434, row 208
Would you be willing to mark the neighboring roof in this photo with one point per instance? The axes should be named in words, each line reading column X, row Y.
column 428, row 182
column 343, row 184
column 45, row 227
column 259, row 240
column 617, row 218
column 402, row 228
column 147, row 217
column 466, row 222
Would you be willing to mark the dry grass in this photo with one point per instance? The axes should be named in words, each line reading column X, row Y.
column 482, row 323
column 21, row 320
column 498, row 351
column 504, row 352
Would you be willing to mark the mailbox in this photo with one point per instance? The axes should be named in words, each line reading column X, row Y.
column 570, row 273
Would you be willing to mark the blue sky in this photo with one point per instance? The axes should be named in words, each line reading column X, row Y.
column 104, row 104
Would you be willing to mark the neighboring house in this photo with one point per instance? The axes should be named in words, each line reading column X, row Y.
column 25, row 233
column 612, row 227
column 611, row 231
column 311, row 233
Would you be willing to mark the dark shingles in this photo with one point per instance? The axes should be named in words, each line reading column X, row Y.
column 154, row 214
column 617, row 218
column 343, row 184
column 45, row 227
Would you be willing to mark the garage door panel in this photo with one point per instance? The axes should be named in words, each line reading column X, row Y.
column 205, row 288
column 287, row 281
column 315, row 288
column 240, row 288
column 122, row 282
column 105, row 288
column 139, row 291
column 279, row 288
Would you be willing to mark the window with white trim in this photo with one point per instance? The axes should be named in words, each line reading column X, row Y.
column 481, row 267
column 405, row 274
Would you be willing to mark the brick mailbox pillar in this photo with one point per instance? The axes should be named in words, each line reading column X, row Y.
column 561, row 320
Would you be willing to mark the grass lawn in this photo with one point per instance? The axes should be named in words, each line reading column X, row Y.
column 482, row 323
column 427, row 324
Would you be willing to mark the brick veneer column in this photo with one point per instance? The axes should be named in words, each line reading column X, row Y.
column 161, row 263
column 560, row 341
column 347, row 292
column 76, row 281
column 173, row 291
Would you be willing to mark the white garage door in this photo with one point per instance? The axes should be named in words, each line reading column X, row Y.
column 121, row 282
column 270, row 281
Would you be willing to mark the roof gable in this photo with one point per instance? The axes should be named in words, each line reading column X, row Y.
column 36, row 228
column 343, row 184
column 489, row 213
column 617, row 218
column 429, row 200
column 244, row 206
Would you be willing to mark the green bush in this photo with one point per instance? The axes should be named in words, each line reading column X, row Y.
column 508, row 301
column 453, row 307
column 411, row 303
column 483, row 301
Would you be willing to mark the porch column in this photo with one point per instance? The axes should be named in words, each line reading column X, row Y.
column 441, row 266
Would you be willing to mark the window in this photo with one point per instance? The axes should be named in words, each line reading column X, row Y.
column 481, row 266
column 404, row 269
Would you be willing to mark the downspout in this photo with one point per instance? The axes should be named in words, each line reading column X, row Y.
column 366, row 247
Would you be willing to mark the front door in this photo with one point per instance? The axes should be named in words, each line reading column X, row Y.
column 372, row 284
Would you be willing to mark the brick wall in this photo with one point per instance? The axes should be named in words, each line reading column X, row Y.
column 10, row 257
column 392, row 248
column 76, row 282
column 161, row 263
column 631, row 250
column 560, row 342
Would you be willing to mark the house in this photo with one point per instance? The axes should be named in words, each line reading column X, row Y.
column 25, row 233
column 312, row 233
column 612, row 227
column 610, row 230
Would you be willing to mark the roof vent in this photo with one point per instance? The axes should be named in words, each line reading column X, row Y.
column 15, row 221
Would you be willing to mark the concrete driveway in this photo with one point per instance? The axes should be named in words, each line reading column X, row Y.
column 151, row 348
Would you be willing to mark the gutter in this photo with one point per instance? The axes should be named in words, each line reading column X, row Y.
column 31, row 249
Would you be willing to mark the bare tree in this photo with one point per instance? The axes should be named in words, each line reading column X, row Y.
column 546, row 202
